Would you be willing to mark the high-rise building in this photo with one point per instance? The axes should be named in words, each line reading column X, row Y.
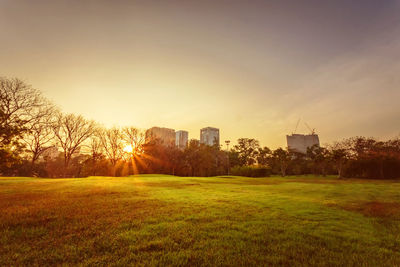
column 50, row 152
column 165, row 136
column 209, row 136
column 181, row 139
column 300, row 142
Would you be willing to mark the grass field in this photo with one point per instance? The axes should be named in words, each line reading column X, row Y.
column 167, row 220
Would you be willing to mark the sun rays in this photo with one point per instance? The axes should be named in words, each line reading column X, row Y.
column 128, row 149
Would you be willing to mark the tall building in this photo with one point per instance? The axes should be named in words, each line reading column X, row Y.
column 50, row 152
column 209, row 136
column 165, row 136
column 300, row 142
column 181, row 139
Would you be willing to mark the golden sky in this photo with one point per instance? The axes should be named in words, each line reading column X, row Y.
column 251, row 69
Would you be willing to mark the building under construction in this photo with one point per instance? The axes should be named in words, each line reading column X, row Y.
column 300, row 142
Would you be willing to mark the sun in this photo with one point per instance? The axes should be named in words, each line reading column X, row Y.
column 128, row 149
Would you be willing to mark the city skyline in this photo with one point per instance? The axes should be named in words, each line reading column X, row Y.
column 250, row 69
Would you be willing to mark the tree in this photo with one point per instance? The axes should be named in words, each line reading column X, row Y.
column 299, row 164
column 174, row 155
column 40, row 134
column 71, row 131
column 192, row 156
column 18, row 102
column 111, row 141
column 365, row 158
column 380, row 154
column 96, row 151
column 319, row 157
column 248, row 150
column 135, row 139
column 282, row 158
column 204, row 160
column 18, row 105
column 234, row 158
column 264, row 156
column 338, row 154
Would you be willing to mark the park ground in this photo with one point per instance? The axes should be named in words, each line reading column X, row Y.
column 166, row 220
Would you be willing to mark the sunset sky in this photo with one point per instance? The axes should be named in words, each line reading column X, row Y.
column 250, row 68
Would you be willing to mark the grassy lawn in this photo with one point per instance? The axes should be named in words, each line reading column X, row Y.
column 167, row 220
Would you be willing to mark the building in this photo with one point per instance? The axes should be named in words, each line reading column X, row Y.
column 50, row 152
column 209, row 136
column 300, row 142
column 165, row 136
column 181, row 139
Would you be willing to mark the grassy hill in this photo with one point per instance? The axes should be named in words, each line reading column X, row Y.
column 167, row 220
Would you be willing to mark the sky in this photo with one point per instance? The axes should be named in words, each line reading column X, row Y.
column 250, row 68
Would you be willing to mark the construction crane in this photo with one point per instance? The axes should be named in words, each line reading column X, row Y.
column 309, row 128
column 296, row 126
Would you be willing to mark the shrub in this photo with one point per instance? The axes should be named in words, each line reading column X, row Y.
column 251, row 171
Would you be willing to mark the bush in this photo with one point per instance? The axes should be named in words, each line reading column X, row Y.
column 372, row 168
column 251, row 171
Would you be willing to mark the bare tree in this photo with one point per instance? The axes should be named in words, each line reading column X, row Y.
column 111, row 140
column 96, row 150
column 71, row 131
column 18, row 105
column 40, row 135
column 134, row 138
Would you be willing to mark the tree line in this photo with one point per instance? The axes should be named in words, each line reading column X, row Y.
column 36, row 139
column 356, row 157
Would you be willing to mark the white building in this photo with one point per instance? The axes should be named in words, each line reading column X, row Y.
column 209, row 136
column 300, row 142
column 181, row 139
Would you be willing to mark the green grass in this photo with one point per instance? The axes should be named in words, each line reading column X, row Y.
column 167, row 220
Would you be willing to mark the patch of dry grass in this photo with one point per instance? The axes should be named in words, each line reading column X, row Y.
column 375, row 208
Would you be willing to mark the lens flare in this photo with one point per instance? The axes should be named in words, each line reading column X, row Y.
column 128, row 149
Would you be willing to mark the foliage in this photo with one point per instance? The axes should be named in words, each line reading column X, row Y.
column 38, row 140
column 319, row 157
column 369, row 158
column 251, row 171
column 282, row 158
column 247, row 149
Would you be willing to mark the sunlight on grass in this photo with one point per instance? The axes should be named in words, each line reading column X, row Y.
column 167, row 220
